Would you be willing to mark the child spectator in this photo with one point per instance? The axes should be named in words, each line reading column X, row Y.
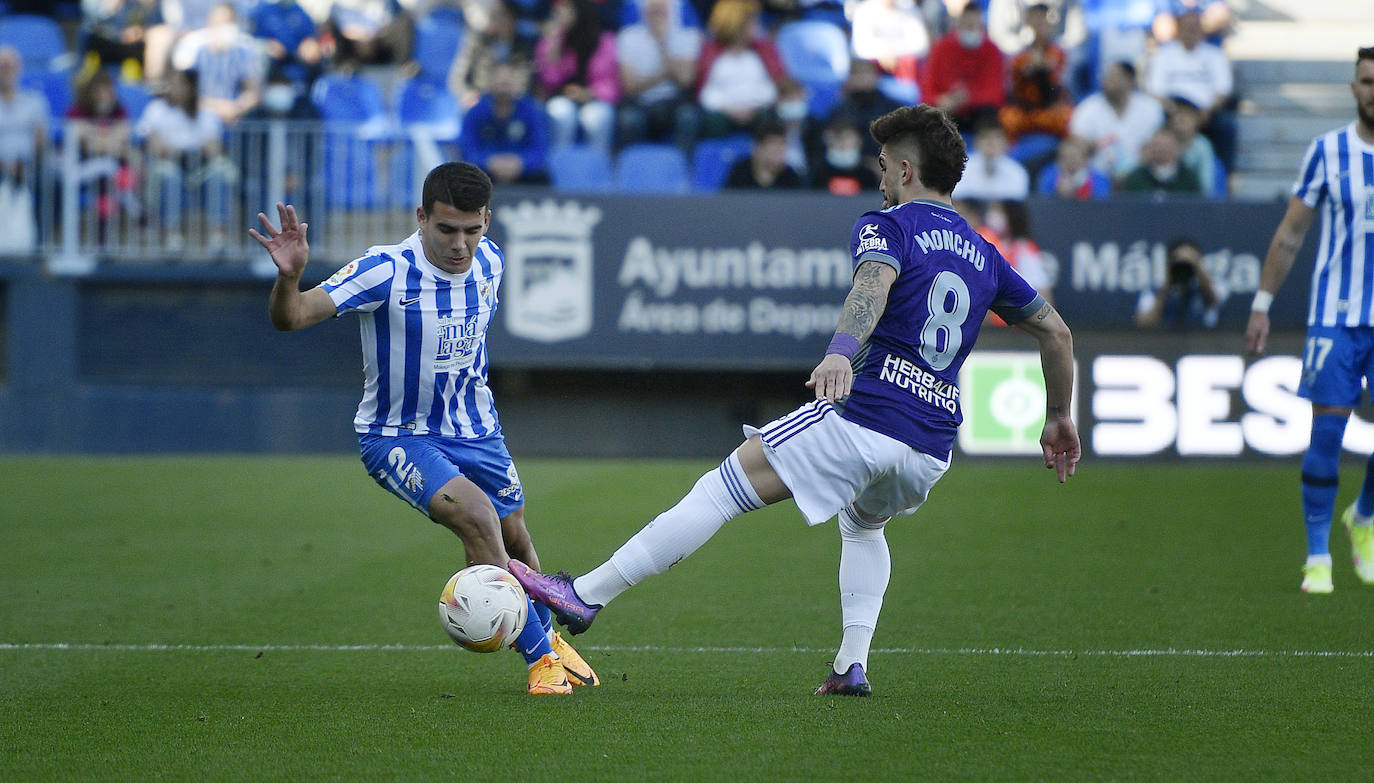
column 1072, row 176
column 507, row 132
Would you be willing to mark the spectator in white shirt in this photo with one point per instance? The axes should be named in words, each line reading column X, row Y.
column 23, row 122
column 1199, row 71
column 1118, row 120
column 991, row 174
column 658, row 64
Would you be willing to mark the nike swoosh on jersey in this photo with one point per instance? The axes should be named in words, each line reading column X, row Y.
column 403, row 302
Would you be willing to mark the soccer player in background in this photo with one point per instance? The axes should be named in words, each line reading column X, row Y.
column 880, row 432
column 1337, row 177
column 427, row 425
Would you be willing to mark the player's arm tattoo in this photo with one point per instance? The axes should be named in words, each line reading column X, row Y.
column 1043, row 313
column 865, row 302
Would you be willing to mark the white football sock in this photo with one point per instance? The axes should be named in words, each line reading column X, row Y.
column 865, row 567
column 1319, row 560
column 717, row 498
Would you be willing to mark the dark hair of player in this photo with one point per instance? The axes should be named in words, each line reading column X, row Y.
column 930, row 140
column 1364, row 53
column 462, row 186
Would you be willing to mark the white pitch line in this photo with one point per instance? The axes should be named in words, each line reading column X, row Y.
column 1023, row 652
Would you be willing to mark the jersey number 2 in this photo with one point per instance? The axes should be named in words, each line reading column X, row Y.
column 946, row 320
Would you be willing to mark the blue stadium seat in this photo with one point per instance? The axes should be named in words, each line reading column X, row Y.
column 38, row 39
column 134, row 97
column 652, row 168
column 1219, row 189
column 56, row 86
column 438, row 37
column 356, row 126
column 713, row 158
column 427, row 103
column 580, row 168
column 816, row 53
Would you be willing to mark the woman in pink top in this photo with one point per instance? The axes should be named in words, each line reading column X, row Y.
column 578, row 72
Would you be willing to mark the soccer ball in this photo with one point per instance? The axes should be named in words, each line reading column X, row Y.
column 483, row 608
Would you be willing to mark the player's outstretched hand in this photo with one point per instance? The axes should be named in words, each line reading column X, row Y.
column 832, row 379
column 1059, row 442
column 288, row 247
column 1257, row 332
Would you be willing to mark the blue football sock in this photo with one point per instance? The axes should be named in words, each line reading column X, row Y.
column 1320, row 477
column 533, row 643
column 1365, row 505
column 545, row 618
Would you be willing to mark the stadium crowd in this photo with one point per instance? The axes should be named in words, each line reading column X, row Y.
column 1073, row 99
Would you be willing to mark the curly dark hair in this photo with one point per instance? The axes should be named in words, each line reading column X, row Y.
column 929, row 133
column 461, row 185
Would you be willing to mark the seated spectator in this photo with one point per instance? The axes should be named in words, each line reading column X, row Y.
column 739, row 71
column 1117, row 120
column 861, row 99
column 1161, row 170
column 178, row 18
column 507, row 131
column 658, row 67
column 1190, row 67
column 283, row 104
column 115, row 30
column 892, row 34
column 1006, row 224
column 766, row 167
column 842, row 170
column 1216, row 15
column 576, row 61
column 103, row 132
column 1189, row 298
column 803, row 135
column 495, row 39
column 1184, row 119
column 1115, row 31
column 991, row 174
column 228, row 61
column 23, row 124
column 1037, row 112
column 369, row 32
column 966, row 72
column 289, row 39
column 1072, row 176
column 183, row 144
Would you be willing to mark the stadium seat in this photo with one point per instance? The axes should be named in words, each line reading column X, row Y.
column 56, row 86
column 38, row 39
column 134, row 97
column 816, row 53
column 427, row 103
column 580, row 168
column 1219, row 186
column 437, row 39
column 651, row 168
column 357, row 126
column 713, row 158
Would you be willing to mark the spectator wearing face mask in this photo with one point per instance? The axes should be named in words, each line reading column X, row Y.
column 842, row 169
column 285, row 104
column 1161, row 170
column 966, row 73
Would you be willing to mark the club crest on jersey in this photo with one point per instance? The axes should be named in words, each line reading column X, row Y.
column 869, row 240
column 548, row 271
column 343, row 274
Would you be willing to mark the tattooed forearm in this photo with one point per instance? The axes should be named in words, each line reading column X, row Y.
column 865, row 302
column 1043, row 312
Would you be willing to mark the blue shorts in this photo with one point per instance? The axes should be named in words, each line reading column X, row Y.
column 1335, row 362
column 414, row 467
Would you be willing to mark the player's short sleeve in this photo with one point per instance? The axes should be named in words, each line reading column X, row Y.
column 1311, row 184
column 1016, row 299
column 361, row 285
column 876, row 237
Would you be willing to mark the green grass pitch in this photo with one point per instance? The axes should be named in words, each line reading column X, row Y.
column 245, row 618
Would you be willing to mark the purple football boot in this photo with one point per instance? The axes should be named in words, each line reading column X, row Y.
column 557, row 593
column 851, row 683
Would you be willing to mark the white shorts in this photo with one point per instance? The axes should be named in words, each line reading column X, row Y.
column 829, row 463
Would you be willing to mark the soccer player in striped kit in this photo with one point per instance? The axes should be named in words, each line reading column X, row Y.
column 1337, row 178
column 880, row 432
column 427, row 426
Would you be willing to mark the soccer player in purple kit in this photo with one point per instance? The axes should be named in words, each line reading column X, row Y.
column 881, row 429
column 427, row 426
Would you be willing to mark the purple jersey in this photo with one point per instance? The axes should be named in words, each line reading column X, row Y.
column 906, row 374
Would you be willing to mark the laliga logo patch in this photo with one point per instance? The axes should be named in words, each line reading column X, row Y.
column 344, row 274
column 869, row 240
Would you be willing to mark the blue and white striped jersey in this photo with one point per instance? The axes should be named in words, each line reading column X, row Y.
column 1337, row 177
column 424, row 339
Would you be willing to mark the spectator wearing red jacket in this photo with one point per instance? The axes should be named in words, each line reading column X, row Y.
column 966, row 74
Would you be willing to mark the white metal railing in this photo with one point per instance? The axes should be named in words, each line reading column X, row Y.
column 354, row 188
